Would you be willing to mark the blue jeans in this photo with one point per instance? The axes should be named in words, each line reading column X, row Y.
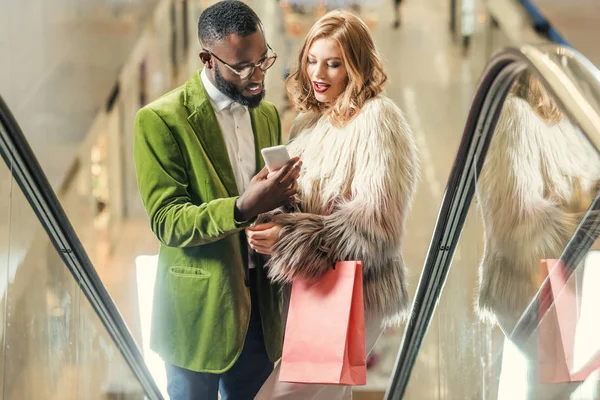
column 241, row 382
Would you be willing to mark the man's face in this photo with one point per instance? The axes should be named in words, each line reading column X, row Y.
column 239, row 52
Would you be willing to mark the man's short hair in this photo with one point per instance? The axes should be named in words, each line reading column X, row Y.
column 225, row 18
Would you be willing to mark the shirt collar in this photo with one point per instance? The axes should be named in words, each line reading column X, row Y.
column 218, row 100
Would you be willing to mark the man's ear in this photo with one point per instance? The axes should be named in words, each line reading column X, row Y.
column 206, row 59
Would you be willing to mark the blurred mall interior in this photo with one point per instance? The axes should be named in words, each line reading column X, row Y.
column 78, row 259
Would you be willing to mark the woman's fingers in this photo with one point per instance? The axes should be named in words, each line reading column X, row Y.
column 260, row 242
column 259, row 235
column 261, row 248
column 260, row 227
column 262, row 238
column 264, row 250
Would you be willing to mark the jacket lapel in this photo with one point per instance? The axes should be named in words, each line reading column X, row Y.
column 262, row 134
column 204, row 122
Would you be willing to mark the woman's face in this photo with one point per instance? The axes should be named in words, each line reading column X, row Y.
column 326, row 70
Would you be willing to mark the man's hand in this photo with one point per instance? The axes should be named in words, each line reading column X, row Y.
column 266, row 193
column 262, row 238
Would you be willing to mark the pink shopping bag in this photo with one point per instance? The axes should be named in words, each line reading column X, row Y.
column 558, row 328
column 325, row 332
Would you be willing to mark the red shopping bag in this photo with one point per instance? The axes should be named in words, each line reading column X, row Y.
column 558, row 328
column 325, row 332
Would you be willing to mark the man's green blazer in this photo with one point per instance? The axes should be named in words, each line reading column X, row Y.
column 201, row 306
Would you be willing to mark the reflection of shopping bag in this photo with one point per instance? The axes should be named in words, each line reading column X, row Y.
column 558, row 327
column 325, row 331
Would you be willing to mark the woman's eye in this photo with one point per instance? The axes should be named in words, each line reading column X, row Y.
column 334, row 65
column 312, row 62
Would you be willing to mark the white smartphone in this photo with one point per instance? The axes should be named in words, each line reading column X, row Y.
column 275, row 157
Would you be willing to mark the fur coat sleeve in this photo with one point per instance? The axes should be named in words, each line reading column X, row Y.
column 366, row 224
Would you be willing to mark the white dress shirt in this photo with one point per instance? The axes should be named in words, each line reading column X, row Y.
column 236, row 126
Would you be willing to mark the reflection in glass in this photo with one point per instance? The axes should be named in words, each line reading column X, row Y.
column 539, row 178
column 538, row 181
column 560, row 359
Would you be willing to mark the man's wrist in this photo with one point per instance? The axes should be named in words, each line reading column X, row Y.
column 239, row 216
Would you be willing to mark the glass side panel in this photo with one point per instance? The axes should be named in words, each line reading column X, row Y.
column 53, row 346
column 457, row 348
column 5, row 196
column 559, row 359
column 539, row 179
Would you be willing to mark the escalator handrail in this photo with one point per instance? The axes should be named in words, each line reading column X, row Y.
column 30, row 177
column 575, row 84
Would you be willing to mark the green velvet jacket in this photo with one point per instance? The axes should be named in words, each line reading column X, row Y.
column 201, row 305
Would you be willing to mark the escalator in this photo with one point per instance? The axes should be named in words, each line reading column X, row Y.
column 506, row 303
column 62, row 336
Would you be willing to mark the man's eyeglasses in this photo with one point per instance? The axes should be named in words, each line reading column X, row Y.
column 247, row 71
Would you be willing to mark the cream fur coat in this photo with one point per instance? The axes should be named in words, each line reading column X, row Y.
column 534, row 188
column 355, row 190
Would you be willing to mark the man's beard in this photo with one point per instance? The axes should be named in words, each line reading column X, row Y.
column 231, row 91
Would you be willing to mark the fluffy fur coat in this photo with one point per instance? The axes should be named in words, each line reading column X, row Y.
column 536, row 184
column 355, row 190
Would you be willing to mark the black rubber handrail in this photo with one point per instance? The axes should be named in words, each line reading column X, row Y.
column 30, row 177
column 575, row 84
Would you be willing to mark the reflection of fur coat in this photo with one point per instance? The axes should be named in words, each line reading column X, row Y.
column 355, row 190
column 536, row 183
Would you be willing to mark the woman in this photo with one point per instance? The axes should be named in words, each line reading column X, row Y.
column 538, row 180
column 359, row 176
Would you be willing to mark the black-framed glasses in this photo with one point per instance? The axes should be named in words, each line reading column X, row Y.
column 247, row 71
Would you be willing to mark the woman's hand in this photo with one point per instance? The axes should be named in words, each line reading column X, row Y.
column 262, row 237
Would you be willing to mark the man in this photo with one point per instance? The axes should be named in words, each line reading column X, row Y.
column 216, row 319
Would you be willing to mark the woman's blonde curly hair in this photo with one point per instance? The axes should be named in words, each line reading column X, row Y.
column 532, row 90
column 363, row 65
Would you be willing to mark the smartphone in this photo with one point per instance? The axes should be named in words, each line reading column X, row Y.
column 275, row 157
